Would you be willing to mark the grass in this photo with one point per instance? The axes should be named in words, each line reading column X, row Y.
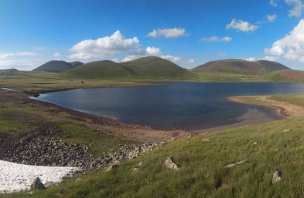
column 203, row 172
column 19, row 115
column 297, row 99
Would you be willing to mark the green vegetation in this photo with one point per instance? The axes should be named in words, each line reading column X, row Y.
column 57, row 66
column 141, row 69
column 202, row 159
column 297, row 99
column 237, row 66
column 20, row 115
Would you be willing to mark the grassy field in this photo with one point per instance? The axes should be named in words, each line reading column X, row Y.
column 202, row 159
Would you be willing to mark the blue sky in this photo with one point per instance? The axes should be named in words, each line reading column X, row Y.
column 187, row 32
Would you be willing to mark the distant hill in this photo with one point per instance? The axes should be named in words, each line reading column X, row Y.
column 101, row 69
column 57, row 66
column 8, row 71
column 238, row 66
column 144, row 68
column 284, row 76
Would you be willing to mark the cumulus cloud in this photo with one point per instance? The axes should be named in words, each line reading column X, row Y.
column 150, row 51
column 214, row 39
column 103, row 47
column 168, row 33
column 56, row 55
column 290, row 47
column 171, row 58
column 271, row 17
column 19, row 60
column 191, row 61
column 297, row 9
column 242, row 26
column 273, row 3
column 251, row 59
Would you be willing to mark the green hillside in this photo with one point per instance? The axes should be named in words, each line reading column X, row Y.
column 154, row 67
column 143, row 68
column 101, row 69
column 238, row 66
column 57, row 66
column 203, row 172
column 284, row 76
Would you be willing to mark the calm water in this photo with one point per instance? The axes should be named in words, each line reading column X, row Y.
column 175, row 105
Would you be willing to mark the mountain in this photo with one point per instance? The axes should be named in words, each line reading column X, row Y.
column 8, row 71
column 238, row 66
column 57, row 66
column 100, row 69
column 155, row 67
column 144, row 68
column 284, row 76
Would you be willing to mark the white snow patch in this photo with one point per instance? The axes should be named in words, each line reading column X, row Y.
column 19, row 177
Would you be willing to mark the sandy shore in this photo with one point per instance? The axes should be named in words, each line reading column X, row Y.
column 286, row 109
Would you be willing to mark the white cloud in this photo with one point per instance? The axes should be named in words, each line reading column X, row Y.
column 191, row 61
column 290, row 47
column 297, row 9
column 270, row 58
column 242, row 26
column 150, row 51
column 271, row 17
column 273, row 3
column 168, row 33
column 213, row 39
column 251, row 59
column 56, row 55
column 103, row 47
column 171, row 58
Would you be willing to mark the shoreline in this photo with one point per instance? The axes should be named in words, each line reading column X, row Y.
column 285, row 109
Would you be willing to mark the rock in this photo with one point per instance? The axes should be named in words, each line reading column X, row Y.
column 37, row 184
column 276, row 177
column 162, row 143
column 234, row 164
column 287, row 130
column 140, row 164
column 254, row 143
column 112, row 168
column 49, row 184
column 135, row 170
column 170, row 164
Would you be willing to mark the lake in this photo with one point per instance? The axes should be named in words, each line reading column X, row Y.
column 188, row 106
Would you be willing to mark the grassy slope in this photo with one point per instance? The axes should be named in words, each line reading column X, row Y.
column 202, row 172
column 101, row 70
column 19, row 115
column 44, row 81
column 238, row 66
column 141, row 69
column 157, row 68
column 54, row 66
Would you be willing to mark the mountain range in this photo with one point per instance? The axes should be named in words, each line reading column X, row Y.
column 155, row 68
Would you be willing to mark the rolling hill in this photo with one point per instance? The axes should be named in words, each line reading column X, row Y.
column 57, row 66
column 143, row 68
column 238, row 66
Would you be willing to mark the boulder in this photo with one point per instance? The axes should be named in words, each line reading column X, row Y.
column 37, row 184
column 112, row 168
column 170, row 164
column 276, row 177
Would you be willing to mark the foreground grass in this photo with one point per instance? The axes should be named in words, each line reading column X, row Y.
column 203, row 172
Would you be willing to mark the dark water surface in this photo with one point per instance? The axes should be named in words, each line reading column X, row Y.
column 187, row 106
